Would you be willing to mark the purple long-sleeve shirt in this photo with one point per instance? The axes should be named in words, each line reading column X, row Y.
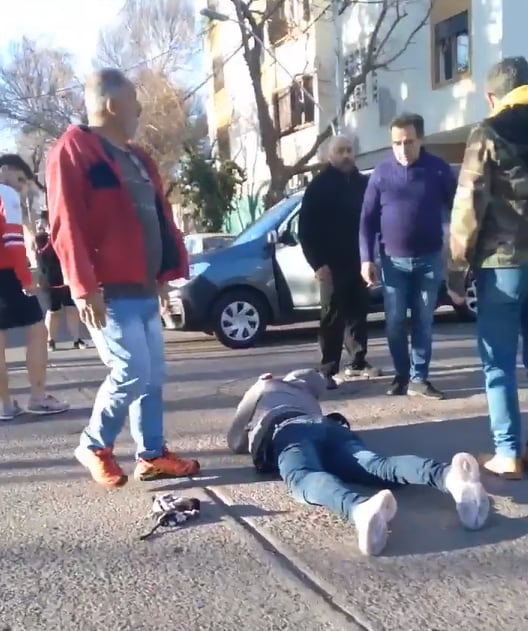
column 405, row 206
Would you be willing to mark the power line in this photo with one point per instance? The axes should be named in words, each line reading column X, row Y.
column 71, row 88
column 187, row 95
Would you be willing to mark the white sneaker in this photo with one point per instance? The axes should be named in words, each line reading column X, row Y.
column 371, row 519
column 462, row 480
column 9, row 412
column 48, row 405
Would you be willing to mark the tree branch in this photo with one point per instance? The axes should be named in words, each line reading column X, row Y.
column 371, row 64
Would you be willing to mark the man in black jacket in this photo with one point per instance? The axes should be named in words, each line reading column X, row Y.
column 329, row 236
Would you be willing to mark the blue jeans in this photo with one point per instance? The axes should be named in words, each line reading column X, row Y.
column 524, row 333
column 319, row 459
column 411, row 283
column 502, row 298
column 131, row 345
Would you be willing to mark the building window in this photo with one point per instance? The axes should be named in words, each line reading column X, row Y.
column 292, row 107
column 218, row 74
column 451, row 48
column 223, row 143
column 354, row 68
column 287, row 15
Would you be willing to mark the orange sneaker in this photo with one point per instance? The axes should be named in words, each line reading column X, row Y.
column 507, row 468
column 102, row 466
column 168, row 465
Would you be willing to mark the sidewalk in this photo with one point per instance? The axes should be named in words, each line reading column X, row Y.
column 254, row 561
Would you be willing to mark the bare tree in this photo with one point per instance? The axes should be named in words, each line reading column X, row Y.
column 156, row 34
column 39, row 90
column 153, row 41
column 388, row 38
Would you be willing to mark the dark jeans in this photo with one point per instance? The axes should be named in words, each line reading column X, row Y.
column 411, row 283
column 344, row 307
column 319, row 459
column 502, row 305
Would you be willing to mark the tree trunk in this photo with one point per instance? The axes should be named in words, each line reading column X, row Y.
column 278, row 181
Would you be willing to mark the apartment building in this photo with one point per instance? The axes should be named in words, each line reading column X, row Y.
column 441, row 74
column 301, row 41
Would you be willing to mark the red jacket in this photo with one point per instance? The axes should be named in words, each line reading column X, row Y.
column 94, row 227
column 12, row 248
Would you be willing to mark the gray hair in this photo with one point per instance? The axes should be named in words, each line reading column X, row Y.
column 102, row 85
column 505, row 76
column 335, row 140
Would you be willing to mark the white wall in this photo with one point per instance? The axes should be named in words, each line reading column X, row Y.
column 406, row 86
column 311, row 53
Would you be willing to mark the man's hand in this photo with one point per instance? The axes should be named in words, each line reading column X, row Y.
column 323, row 273
column 92, row 310
column 455, row 297
column 164, row 299
column 30, row 290
column 369, row 273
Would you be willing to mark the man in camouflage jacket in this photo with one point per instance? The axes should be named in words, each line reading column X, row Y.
column 489, row 236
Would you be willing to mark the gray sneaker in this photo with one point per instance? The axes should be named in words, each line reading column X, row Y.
column 424, row 389
column 9, row 412
column 366, row 371
column 48, row 405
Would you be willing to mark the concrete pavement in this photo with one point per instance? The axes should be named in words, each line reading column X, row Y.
column 71, row 558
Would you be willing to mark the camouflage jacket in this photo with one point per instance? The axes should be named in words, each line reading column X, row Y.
column 489, row 221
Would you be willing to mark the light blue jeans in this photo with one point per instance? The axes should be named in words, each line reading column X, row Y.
column 502, row 302
column 131, row 345
column 411, row 283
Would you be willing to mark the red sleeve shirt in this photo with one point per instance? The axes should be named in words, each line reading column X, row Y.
column 12, row 247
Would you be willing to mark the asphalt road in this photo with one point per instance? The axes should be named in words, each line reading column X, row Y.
column 71, row 558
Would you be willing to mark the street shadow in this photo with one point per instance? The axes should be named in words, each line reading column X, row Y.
column 454, row 384
column 427, row 521
column 76, row 413
column 241, row 374
column 219, row 476
column 207, row 402
column 61, row 386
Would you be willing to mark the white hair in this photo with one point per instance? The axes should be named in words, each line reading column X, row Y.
column 335, row 140
column 102, row 85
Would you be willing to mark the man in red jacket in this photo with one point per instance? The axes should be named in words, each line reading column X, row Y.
column 118, row 246
column 19, row 306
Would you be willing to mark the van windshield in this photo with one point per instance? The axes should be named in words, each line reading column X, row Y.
column 269, row 220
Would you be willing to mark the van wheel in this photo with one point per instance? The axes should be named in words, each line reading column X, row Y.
column 240, row 318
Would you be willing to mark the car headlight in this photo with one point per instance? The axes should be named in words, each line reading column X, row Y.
column 195, row 269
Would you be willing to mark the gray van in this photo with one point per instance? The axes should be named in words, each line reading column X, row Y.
column 261, row 278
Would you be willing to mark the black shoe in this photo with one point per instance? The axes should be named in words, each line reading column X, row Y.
column 331, row 383
column 365, row 370
column 398, row 387
column 80, row 344
column 51, row 345
column 424, row 389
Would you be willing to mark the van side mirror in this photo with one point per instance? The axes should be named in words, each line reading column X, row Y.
column 272, row 237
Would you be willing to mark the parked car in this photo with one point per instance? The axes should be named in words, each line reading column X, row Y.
column 199, row 242
column 261, row 278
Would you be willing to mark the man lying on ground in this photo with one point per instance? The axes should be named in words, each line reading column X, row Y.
column 281, row 424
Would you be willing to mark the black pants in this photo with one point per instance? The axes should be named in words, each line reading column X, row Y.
column 344, row 308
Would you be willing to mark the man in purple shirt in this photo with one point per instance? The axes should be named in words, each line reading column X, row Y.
column 403, row 207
